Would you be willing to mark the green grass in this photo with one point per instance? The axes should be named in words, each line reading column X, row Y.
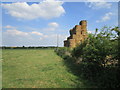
column 37, row 69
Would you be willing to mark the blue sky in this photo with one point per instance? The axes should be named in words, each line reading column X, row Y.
column 37, row 24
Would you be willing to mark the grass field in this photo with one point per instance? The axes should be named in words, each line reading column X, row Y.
column 37, row 69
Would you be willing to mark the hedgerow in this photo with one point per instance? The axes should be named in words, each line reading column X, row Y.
column 98, row 57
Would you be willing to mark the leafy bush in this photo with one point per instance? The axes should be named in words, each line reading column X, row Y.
column 95, row 55
column 97, row 47
column 94, row 52
column 63, row 51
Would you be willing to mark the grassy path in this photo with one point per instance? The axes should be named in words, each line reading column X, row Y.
column 36, row 69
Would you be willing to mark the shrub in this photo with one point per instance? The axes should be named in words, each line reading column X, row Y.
column 97, row 47
column 63, row 51
column 94, row 52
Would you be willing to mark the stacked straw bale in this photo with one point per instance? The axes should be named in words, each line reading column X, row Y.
column 77, row 35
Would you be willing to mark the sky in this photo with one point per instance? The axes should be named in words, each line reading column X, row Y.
column 40, row 23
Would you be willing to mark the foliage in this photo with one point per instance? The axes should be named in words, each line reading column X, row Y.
column 98, row 57
column 97, row 52
column 63, row 51
column 97, row 47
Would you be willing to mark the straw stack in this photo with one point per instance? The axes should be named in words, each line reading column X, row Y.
column 77, row 34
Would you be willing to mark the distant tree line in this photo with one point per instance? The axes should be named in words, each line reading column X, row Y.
column 30, row 47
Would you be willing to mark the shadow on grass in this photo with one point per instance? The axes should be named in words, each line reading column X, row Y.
column 74, row 68
column 91, row 76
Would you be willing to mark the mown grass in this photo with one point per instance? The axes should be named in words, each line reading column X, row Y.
column 40, row 68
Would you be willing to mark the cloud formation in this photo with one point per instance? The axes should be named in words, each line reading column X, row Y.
column 14, row 37
column 37, row 33
column 52, row 26
column 99, row 5
column 92, row 0
column 46, row 9
column 106, row 17
column 9, row 27
column 15, row 32
column 89, row 31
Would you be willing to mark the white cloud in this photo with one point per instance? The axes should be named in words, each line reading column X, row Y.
column 98, row 5
column 45, row 9
column 53, row 24
column 15, row 37
column 20, row 38
column 45, row 36
column 100, row 0
column 37, row 33
column 89, row 31
column 9, row 27
column 52, row 39
column 106, row 17
column 15, row 32
column 96, row 0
